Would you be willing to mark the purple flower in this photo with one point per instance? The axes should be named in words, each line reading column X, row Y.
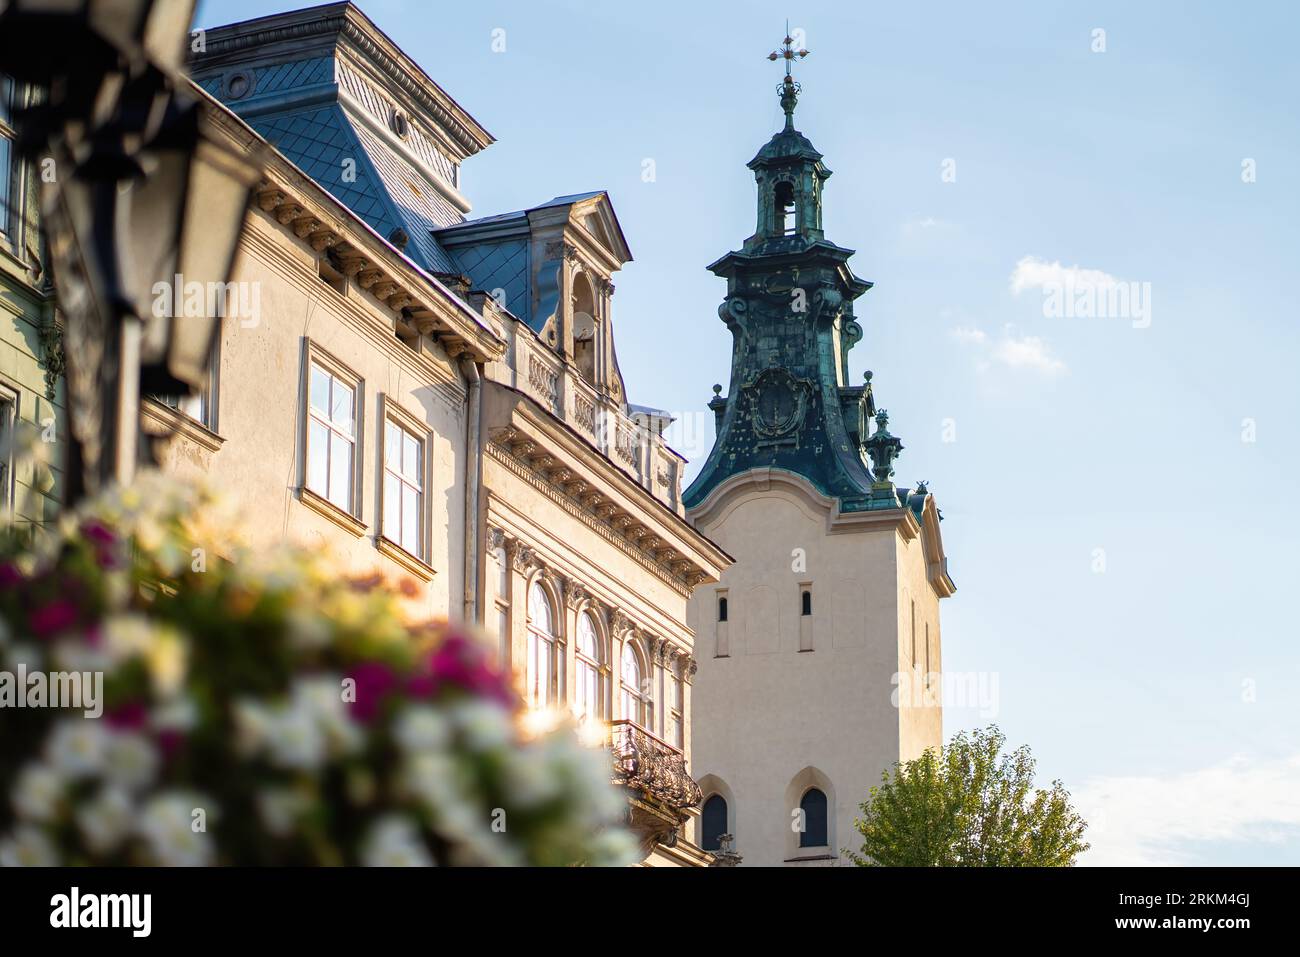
column 373, row 680
column 98, row 532
column 462, row 663
column 128, row 717
column 55, row 617
column 10, row 576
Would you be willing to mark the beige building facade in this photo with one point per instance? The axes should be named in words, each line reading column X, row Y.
column 437, row 398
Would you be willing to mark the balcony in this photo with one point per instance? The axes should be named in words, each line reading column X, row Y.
column 654, row 771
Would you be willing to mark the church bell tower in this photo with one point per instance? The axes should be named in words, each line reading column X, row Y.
column 819, row 649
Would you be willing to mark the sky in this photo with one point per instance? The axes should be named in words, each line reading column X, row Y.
column 1118, row 489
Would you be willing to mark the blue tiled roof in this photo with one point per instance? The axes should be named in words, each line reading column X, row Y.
column 502, row 265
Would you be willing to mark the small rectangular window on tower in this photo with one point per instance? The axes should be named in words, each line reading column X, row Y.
column 722, row 608
column 805, row 602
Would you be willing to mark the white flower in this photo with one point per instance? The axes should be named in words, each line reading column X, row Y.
column 531, row 778
column 178, row 714
column 131, row 760
column 105, row 821
column 296, row 740
column 322, row 699
column 279, row 809
column 37, row 792
column 435, row 781
column 168, row 828
column 422, row 728
column 485, row 725
column 76, row 747
column 395, row 842
column 28, row 847
column 614, row 847
column 253, row 725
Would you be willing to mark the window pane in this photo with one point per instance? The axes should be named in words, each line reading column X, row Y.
column 543, row 672
column 340, row 472
column 320, row 389
column 392, row 507
column 341, row 406
column 392, row 446
column 539, row 609
column 587, row 636
column 531, row 657
column 410, row 520
column 6, row 93
column 318, row 446
column 5, row 174
column 814, row 819
column 713, row 822
column 411, row 457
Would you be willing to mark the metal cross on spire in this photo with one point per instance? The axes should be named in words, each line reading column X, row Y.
column 787, row 51
column 788, row 89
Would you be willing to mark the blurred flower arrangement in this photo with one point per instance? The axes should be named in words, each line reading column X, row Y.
column 261, row 708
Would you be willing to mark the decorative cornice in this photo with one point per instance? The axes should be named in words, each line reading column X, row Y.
column 297, row 30
column 523, row 457
column 375, row 270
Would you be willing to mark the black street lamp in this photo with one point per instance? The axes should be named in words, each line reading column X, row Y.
column 141, row 194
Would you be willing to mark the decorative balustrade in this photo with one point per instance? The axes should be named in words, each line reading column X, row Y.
column 544, row 381
column 584, row 412
column 646, row 763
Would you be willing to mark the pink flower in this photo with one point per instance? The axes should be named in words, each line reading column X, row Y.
column 462, row 663
column 57, row 616
column 128, row 717
column 373, row 680
column 10, row 576
column 98, row 533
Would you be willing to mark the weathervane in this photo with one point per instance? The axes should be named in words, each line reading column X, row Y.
column 788, row 89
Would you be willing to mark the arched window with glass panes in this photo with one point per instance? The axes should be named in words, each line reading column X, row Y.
column 638, row 706
column 813, row 806
column 542, row 639
column 589, row 691
column 713, row 822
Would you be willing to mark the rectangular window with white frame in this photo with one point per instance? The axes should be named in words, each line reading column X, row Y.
column 333, row 432
column 8, row 433
column 201, row 406
column 675, row 732
column 8, row 163
column 402, row 519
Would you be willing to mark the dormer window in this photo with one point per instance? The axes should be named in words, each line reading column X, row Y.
column 584, row 327
column 786, row 211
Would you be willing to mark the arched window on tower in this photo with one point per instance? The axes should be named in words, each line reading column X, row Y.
column 787, row 219
column 713, row 822
column 813, row 805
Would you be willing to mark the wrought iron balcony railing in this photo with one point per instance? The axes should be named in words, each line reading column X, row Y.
column 646, row 763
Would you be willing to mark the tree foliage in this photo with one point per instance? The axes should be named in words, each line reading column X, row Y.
column 970, row 805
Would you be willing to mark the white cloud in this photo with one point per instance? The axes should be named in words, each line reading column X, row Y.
column 1030, row 352
column 1149, row 820
column 1011, row 351
column 1034, row 273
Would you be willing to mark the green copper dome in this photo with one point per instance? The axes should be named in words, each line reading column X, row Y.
column 790, row 308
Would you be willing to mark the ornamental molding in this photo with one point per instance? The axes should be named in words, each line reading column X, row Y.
column 545, row 472
column 778, row 402
column 466, row 137
column 376, row 271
